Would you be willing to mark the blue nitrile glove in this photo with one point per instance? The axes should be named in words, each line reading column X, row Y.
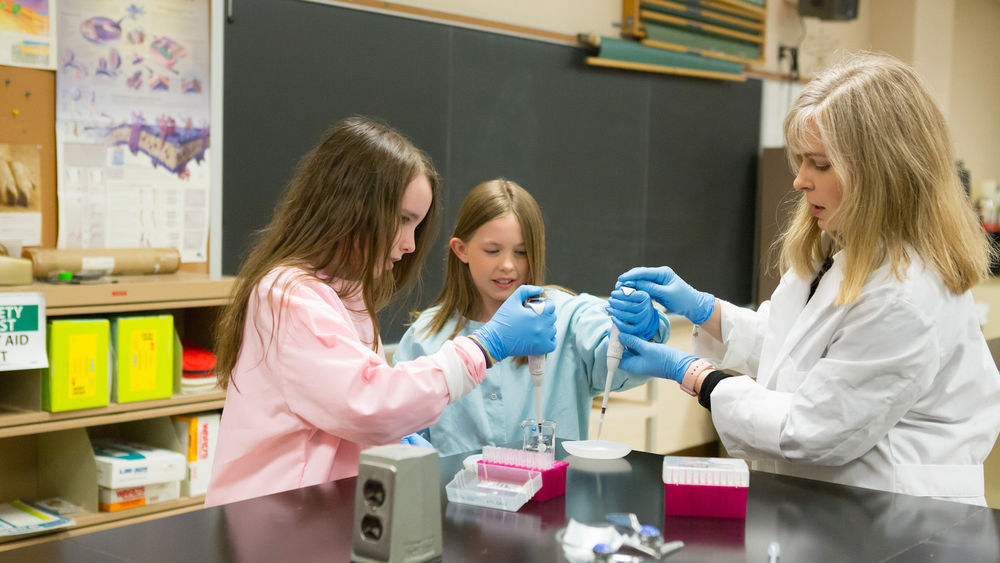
column 669, row 290
column 516, row 330
column 416, row 440
column 634, row 314
column 657, row 360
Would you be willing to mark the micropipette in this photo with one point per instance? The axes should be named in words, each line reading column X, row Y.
column 536, row 364
column 615, row 351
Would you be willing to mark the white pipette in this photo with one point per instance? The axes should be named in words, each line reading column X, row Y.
column 615, row 351
column 536, row 364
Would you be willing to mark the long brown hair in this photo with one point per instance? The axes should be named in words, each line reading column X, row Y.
column 890, row 149
column 337, row 219
column 484, row 203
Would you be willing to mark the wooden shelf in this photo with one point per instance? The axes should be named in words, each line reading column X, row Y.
column 132, row 293
column 32, row 439
column 646, row 67
column 45, row 454
column 20, row 423
column 87, row 522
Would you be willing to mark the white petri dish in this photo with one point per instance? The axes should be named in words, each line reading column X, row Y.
column 596, row 449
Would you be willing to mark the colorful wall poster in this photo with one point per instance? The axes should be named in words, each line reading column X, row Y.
column 132, row 125
column 26, row 32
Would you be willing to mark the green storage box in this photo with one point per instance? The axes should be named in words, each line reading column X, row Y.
column 143, row 358
column 77, row 376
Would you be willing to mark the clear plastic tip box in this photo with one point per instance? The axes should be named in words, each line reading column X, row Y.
column 705, row 486
column 494, row 486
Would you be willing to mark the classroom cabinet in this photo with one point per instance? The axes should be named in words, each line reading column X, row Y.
column 987, row 294
column 45, row 454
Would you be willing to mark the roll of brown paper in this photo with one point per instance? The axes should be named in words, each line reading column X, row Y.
column 121, row 261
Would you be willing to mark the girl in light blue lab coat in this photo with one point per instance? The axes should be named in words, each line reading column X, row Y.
column 498, row 245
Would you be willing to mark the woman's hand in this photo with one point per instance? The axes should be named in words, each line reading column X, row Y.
column 657, row 360
column 633, row 313
column 669, row 290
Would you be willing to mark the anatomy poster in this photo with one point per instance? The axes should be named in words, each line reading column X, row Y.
column 26, row 31
column 132, row 125
column 20, row 200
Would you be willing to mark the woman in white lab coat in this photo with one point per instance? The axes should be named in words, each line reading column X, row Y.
column 867, row 366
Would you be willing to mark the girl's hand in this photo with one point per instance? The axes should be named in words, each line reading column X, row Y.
column 516, row 330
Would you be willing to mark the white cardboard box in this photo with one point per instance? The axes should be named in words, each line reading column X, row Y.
column 124, row 464
column 198, row 475
column 111, row 500
column 162, row 492
column 197, row 434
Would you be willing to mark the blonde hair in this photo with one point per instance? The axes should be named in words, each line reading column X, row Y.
column 337, row 219
column 484, row 203
column 889, row 147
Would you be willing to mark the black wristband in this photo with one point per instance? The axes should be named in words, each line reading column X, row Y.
column 707, row 385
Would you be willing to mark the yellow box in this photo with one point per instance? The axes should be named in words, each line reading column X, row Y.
column 143, row 352
column 77, row 376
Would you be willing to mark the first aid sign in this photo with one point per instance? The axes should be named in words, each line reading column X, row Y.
column 22, row 331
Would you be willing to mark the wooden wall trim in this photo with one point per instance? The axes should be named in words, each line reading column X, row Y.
column 413, row 12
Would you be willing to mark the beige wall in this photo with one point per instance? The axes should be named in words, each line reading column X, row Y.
column 562, row 16
column 975, row 92
column 820, row 42
column 894, row 22
column 934, row 33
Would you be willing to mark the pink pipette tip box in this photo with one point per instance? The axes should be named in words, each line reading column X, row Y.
column 553, row 479
column 705, row 486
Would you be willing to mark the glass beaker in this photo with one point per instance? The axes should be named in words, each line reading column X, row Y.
column 538, row 436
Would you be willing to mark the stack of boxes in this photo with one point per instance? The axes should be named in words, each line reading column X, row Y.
column 94, row 361
column 126, row 359
column 198, row 434
column 131, row 475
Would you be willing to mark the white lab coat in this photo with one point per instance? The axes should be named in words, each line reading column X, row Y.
column 896, row 391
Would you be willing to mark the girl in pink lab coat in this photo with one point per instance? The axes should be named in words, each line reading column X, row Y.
column 298, row 347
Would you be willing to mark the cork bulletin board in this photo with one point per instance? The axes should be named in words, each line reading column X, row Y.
column 27, row 118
